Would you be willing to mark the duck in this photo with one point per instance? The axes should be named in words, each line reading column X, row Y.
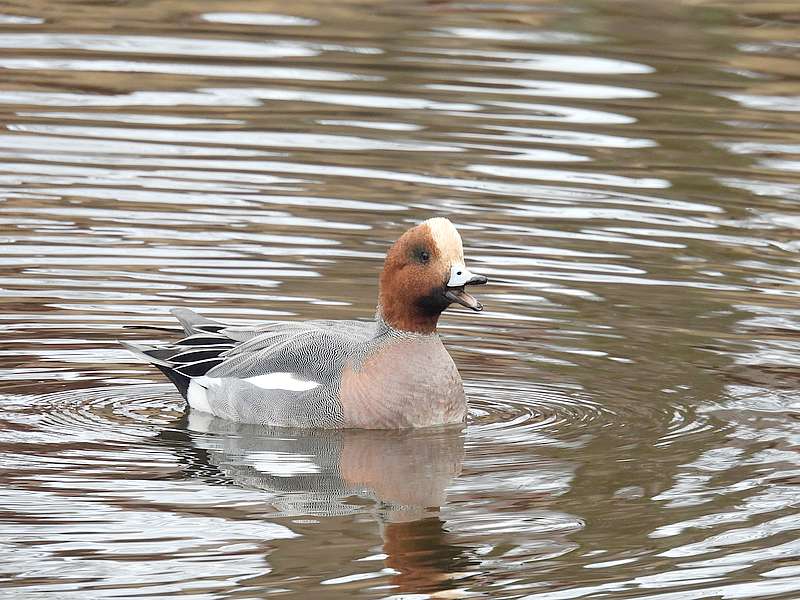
column 390, row 372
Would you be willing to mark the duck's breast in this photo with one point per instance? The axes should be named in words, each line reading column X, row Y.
column 407, row 382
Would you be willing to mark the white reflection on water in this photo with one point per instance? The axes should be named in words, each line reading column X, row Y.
column 239, row 71
column 242, row 18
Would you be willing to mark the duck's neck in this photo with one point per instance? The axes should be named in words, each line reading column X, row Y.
column 406, row 321
column 408, row 303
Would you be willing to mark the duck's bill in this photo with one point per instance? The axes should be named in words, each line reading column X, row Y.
column 464, row 298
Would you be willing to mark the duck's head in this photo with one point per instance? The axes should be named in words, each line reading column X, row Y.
column 423, row 274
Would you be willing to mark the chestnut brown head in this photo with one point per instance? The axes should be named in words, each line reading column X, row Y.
column 423, row 274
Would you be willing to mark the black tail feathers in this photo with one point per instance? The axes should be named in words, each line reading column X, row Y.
column 190, row 357
column 178, row 379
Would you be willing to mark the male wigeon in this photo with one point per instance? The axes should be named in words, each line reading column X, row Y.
column 389, row 373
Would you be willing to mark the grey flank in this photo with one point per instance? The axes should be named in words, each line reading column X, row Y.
column 313, row 351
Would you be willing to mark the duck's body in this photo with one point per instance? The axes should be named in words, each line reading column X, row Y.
column 390, row 373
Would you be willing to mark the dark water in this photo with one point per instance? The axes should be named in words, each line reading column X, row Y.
column 626, row 173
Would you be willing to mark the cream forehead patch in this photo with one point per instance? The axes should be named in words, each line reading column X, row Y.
column 447, row 239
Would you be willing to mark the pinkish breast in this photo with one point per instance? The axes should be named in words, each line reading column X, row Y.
column 404, row 383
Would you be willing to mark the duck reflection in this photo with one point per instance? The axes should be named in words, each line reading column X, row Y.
column 402, row 474
column 398, row 477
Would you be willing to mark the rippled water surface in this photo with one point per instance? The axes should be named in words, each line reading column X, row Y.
column 626, row 173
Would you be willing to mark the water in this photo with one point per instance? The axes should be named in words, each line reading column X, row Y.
column 625, row 173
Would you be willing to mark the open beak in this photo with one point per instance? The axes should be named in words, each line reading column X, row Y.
column 460, row 276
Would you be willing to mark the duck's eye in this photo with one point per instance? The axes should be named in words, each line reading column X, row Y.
column 421, row 255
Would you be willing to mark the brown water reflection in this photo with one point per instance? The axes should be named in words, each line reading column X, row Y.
column 626, row 175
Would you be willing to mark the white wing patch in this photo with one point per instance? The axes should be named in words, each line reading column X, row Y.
column 283, row 381
column 199, row 387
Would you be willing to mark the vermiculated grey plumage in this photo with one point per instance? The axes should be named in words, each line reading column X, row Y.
column 315, row 351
